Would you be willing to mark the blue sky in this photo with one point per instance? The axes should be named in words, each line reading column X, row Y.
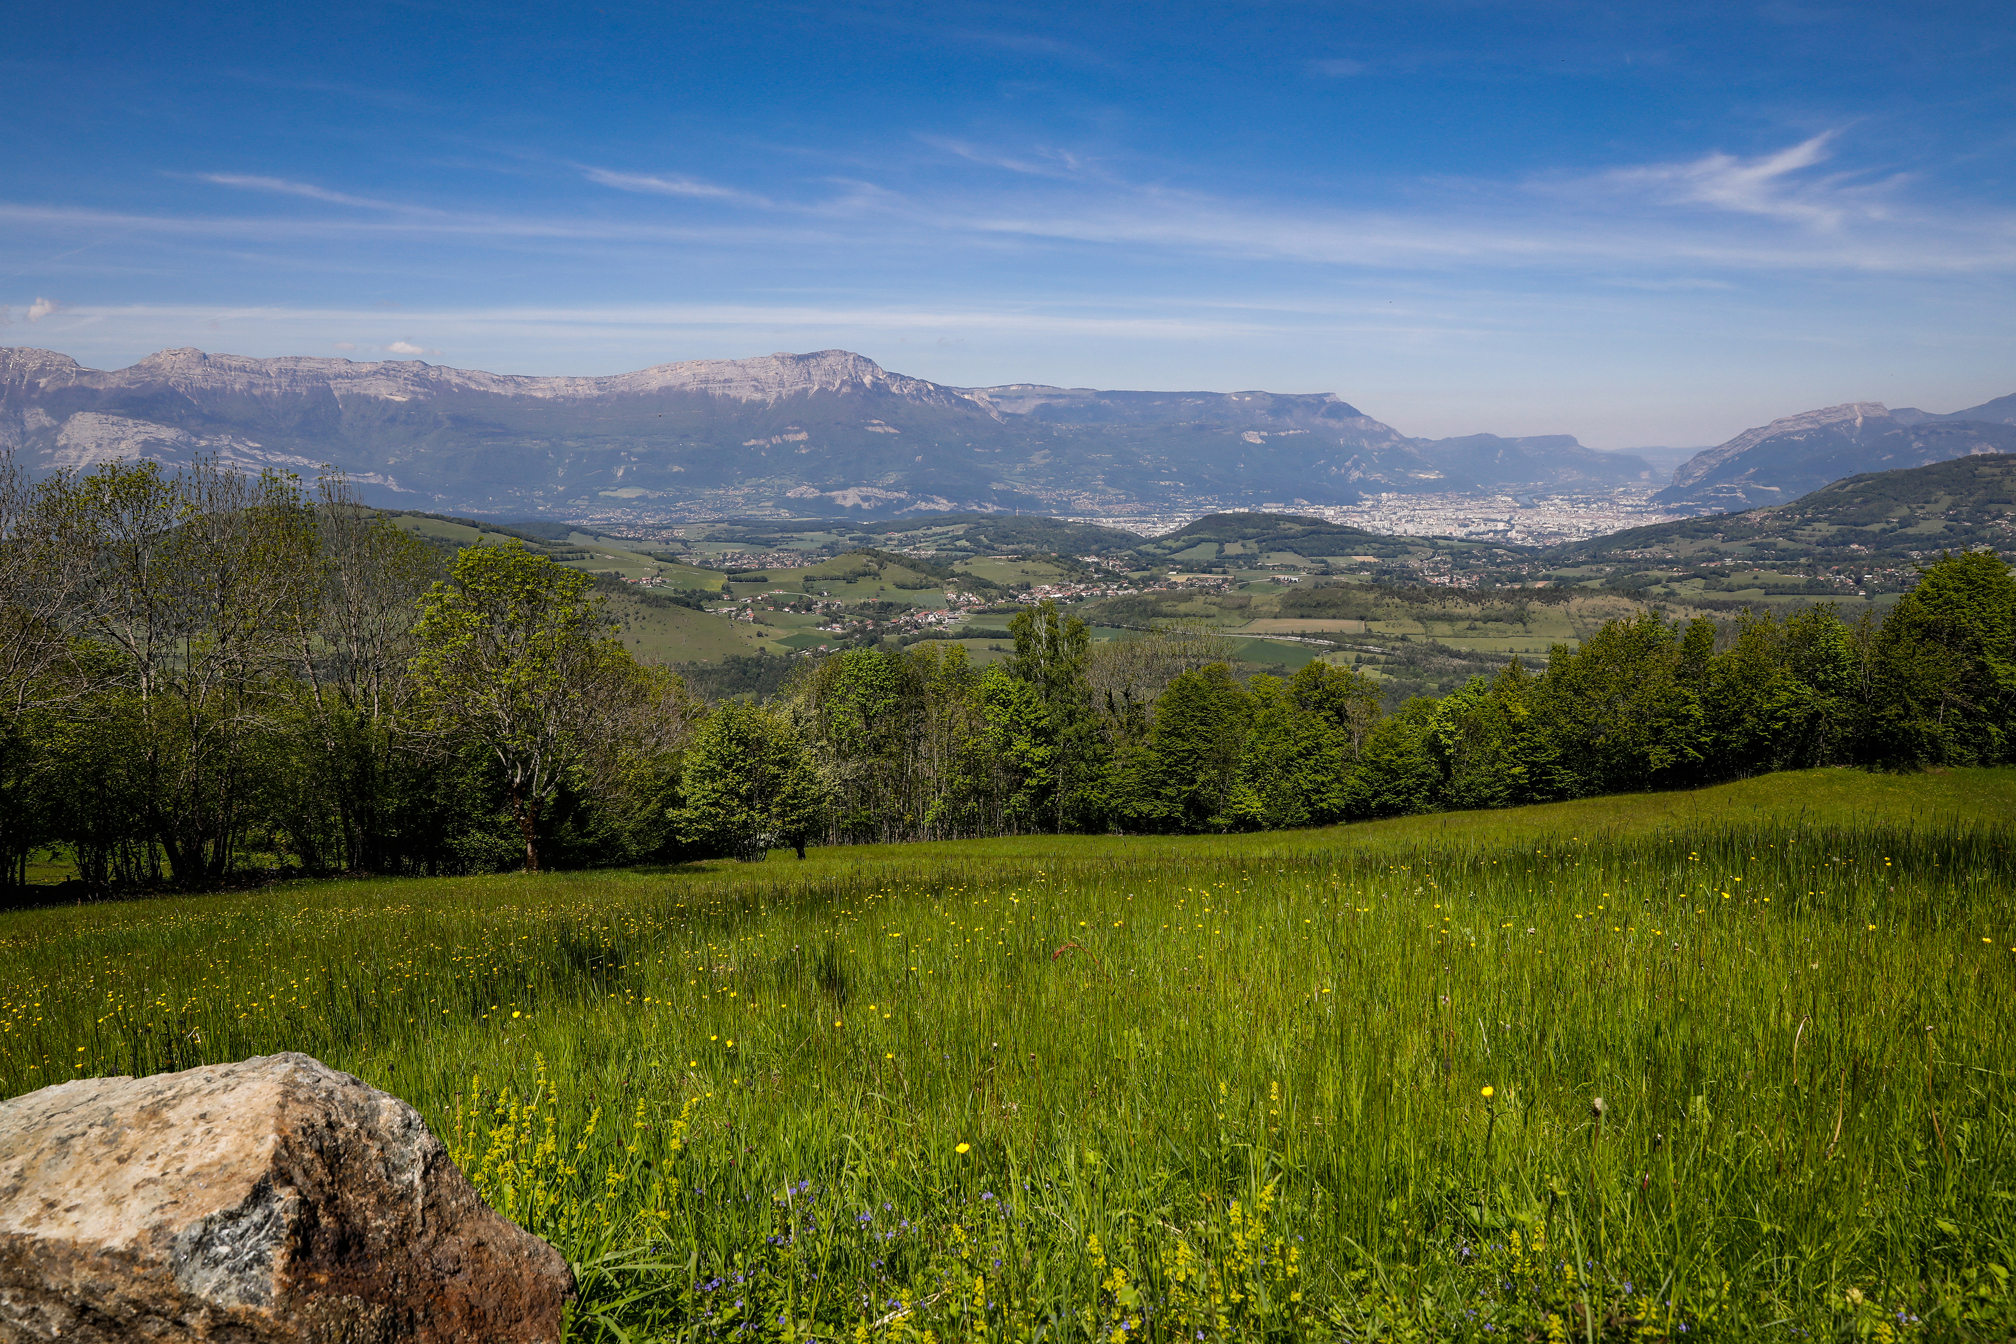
column 1651, row 224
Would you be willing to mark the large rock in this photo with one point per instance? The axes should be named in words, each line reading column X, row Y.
column 269, row 1200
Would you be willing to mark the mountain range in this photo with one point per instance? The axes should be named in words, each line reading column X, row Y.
column 829, row 433
column 832, row 434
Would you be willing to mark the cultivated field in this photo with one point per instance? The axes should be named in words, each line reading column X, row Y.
column 1333, row 1084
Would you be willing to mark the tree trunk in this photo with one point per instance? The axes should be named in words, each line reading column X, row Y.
column 528, row 825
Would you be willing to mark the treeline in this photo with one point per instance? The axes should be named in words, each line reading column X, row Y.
column 209, row 675
column 1159, row 734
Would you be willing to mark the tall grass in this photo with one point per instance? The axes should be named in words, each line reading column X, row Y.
column 1337, row 1084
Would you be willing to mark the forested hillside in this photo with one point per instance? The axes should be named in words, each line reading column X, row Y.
column 208, row 676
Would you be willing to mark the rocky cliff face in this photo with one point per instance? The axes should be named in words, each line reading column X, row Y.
column 1799, row 453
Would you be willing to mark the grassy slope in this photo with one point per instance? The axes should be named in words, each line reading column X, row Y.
column 676, row 634
column 580, row 550
column 1806, row 1079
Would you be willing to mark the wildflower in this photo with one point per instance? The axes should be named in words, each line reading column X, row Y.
column 963, row 1148
column 1487, row 1092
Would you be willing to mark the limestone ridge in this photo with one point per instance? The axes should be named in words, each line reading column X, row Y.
column 830, row 432
column 1791, row 456
column 192, row 372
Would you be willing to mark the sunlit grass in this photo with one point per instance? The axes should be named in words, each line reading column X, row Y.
column 1234, row 1086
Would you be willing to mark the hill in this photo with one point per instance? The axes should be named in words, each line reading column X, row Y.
column 1863, row 534
column 1258, row 540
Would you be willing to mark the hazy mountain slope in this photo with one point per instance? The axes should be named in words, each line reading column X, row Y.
column 833, row 427
column 828, row 433
column 1368, row 455
column 1791, row 456
column 2001, row 411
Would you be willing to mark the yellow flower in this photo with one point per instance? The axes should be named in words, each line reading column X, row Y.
column 963, row 1148
column 1487, row 1093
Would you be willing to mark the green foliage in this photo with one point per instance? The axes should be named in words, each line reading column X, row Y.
column 1946, row 659
column 512, row 656
column 214, row 676
column 749, row 784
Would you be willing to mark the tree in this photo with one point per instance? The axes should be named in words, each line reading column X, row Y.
column 749, row 781
column 513, row 656
column 1295, row 761
column 1619, row 710
column 1019, row 750
column 188, row 582
column 1345, row 696
column 1485, row 738
column 1397, row 772
column 1945, row 667
column 351, row 637
column 39, row 663
column 1187, row 774
column 1052, row 655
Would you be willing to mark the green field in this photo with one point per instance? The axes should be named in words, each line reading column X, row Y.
column 1335, row 1084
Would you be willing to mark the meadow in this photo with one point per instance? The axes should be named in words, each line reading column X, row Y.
column 1726, row 1064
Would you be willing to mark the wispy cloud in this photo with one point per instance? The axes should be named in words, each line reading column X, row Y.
column 42, row 308
column 1680, row 224
column 1038, row 162
column 1776, row 186
column 280, row 186
column 1338, row 67
column 657, row 184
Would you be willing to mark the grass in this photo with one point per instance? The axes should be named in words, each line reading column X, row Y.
column 1218, row 1087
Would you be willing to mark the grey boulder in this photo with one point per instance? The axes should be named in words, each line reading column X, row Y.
column 274, row 1199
